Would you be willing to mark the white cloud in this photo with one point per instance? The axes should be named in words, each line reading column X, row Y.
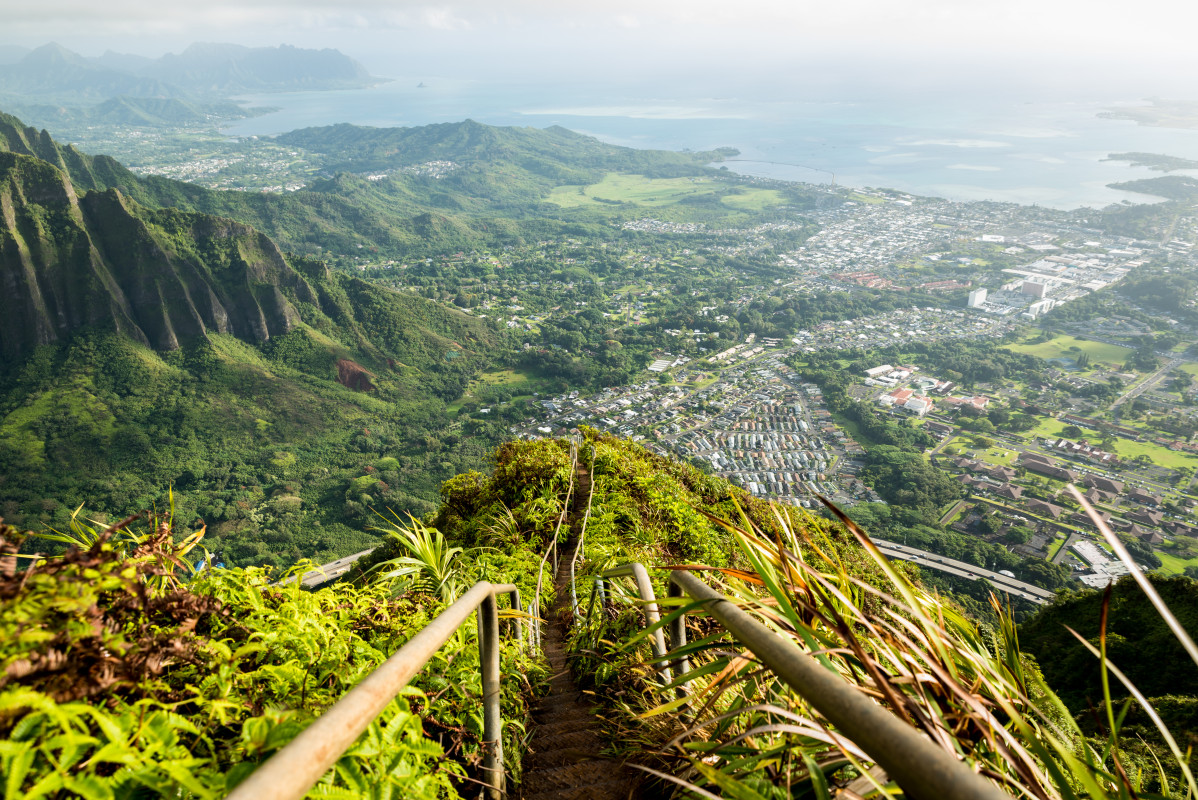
column 968, row 144
column 975, row 167
column 444, row 19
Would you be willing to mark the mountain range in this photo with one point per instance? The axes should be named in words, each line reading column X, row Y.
column 144, row 345
column 54, row 74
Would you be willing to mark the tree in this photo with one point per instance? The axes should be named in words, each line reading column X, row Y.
column 1072, row 432
column 1018, row 534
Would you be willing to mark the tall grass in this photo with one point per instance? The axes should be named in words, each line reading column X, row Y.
column 743, row 733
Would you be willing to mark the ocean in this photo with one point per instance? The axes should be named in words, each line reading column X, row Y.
column 973, row 148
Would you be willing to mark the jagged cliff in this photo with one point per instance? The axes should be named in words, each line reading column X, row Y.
column 102, row 260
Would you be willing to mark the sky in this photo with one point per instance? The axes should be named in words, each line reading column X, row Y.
column 1051, row 44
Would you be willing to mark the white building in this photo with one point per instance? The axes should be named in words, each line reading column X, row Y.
column 977, row 297
column 1034, row 288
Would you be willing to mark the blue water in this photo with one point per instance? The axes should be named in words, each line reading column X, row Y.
column 1045, row 153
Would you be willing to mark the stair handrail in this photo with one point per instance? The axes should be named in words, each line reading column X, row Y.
column 579, row 549
column 534, row 606
column 922, row 769
column 291, row 772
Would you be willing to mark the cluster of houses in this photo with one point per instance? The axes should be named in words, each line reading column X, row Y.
column 1138, row 514
column 910, row 392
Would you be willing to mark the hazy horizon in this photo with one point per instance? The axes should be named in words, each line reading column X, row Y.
column 862, row 48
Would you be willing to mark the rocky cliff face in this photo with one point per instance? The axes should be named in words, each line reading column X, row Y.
column 158, row 276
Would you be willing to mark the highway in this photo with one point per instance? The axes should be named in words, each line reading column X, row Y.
column 1002, row 583
column 327, row 572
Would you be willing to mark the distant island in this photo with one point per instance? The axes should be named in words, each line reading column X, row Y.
column 1161, row 114
column 1154, row 161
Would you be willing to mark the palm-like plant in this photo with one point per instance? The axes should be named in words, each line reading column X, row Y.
column 429, row 566
column 145, row 534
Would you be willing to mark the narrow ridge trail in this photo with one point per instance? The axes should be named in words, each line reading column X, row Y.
column 564, row 761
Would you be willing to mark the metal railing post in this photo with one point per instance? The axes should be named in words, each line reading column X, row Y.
column 488, row 651
column 293, row 770
column 596, row 594
column 644, row 588
column 515, row 605
column 678, row 639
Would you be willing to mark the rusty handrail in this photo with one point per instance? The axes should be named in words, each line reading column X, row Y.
column 534, row 607
column 295, row 769
column 922, row 769
column 580, row 548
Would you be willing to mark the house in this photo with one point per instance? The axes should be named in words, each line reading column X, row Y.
column 1004, row 474
column 1180, row 528
column 1150, row 518
column 1010, row 492
column 1143, row 497
column 1084, row 520
column 1045, row 509
column 1036, row 464
column 938, row 428
column 919, row 406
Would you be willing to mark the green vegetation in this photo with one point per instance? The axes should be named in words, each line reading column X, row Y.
column 125, row 675
column 1071, row 347
column 1137, row 641
column 638, row 190
column 191, row 680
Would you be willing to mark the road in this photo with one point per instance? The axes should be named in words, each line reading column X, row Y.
column 1003, row 583
column 1140, row 387
column 327, row 572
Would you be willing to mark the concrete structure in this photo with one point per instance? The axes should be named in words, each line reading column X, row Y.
column 977, row 298
column 1034, row 288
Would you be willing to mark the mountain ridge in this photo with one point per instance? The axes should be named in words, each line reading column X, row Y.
column 54, row 73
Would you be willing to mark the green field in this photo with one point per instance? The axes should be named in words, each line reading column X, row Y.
column 1161, row 456
column 642, row 191
column 1055, row 546
column 1124, row 448
column 1172, row 565
column 521, row 384
column 998, row 456
column 1189, row 367
column 1072, row 347
column 866, row 198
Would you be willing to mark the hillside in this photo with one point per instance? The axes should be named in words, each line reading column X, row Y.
column 555, row 153
column 145, row 347
column 495, row 194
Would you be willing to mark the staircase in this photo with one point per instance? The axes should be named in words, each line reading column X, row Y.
column 563, row 761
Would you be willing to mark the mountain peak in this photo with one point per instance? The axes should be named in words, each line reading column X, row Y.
column 54, row 54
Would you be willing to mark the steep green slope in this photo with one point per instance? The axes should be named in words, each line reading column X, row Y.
column 147, row 347
column 1138, row 642
column 102, row 261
